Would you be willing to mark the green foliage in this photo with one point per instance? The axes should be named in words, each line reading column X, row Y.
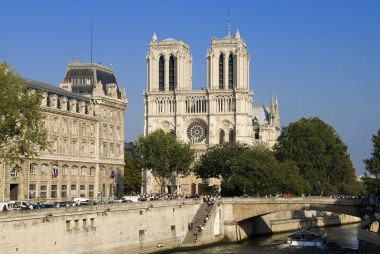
column 372, row 179
column 319, row 153
column 22, row 132
column 251, row 170
column 132, row 175
column 165, row 155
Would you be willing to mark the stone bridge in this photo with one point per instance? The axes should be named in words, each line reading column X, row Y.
column 237, row 213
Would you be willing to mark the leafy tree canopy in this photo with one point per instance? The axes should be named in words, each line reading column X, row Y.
column 22, row 132
column 132, row 175
column 372, row 179
column 319, row 153
column 164, row 155
column 251, row 170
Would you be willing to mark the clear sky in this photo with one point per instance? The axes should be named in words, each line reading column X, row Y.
column 321, row 58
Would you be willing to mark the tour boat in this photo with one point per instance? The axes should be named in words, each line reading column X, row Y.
column 308, row 237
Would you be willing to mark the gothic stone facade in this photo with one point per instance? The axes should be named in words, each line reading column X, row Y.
column 85, row 123
column 222, row 112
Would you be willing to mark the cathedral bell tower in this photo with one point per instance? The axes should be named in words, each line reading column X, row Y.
column 169, row 65
column 228, row 64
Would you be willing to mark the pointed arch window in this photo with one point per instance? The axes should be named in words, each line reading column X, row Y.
column 171, row 74
column 221, row 71
column 221, row 137
column 230, row 72
column 231, row 137
column 161, row 74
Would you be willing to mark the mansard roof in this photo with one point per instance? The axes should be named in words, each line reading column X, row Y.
column 260, row 114
column 96, row 72
column 50, row 89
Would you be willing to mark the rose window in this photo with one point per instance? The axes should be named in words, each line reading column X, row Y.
column 196, row 131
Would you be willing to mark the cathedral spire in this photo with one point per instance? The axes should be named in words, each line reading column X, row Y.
column 228, row 25
column 154, row 38
column 237, row 35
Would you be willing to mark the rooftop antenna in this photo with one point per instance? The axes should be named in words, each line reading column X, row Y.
column 228, row 24
column 91, row 41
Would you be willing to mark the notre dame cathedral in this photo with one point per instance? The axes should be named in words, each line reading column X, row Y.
column 221, row 112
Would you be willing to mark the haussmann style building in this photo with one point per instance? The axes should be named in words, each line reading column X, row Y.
column 85, row 123
column 222, row 112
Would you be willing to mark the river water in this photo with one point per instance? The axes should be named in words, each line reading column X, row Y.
column 342, row 240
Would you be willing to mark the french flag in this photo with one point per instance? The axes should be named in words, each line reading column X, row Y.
column 54, row 171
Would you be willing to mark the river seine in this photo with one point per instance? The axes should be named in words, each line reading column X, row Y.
column 342, row 240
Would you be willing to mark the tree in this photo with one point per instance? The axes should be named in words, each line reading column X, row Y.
column 251, row 170
column 217, row 162
column 319, row 153
column 22, row 132
column 165, row 156
column 132, row 175
column 372, row 181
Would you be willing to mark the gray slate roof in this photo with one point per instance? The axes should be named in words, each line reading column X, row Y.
column 54, row 90
column 261, row 113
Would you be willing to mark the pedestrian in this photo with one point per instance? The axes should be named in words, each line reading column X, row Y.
column 5, row 208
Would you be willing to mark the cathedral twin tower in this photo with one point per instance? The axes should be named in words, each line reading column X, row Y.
column 223, row 112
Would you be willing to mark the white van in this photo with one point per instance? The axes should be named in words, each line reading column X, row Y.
column 131, row 198
column 81, row 201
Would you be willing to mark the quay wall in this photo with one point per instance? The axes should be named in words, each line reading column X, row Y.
column 111, row 229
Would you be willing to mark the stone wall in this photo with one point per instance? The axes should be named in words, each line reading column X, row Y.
column 118, row 228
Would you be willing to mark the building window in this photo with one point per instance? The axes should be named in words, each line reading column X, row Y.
column 91, row 191
column 83, row 171
column 111, row 116
column 118, row 133
column 104, row 114
column 230, row 72
column 83, row 149
column 64, row 191
column 221, row 137
column 232, row 136
column 64, row 147
column 74, row 171
column 92, row 147
column 104, row 131
column 161, row 74
column 32, row 191
column 43, row 191
column 257, row 134
column 53, row 192
column 117, row 151
column 43, row 168
column 221, row 71
column 111, row 150
column 73, row 148
column 83, row 129
column 171, row 74
column 117, row 117
column 83, row 191
column 32, row 169
column 54, row 147
column 104, row 150
column 92, row 130
column 73, row 190
column 92, row 170
column 65, row 126
column 64, row 170
column 111, row 132
column 74, row 131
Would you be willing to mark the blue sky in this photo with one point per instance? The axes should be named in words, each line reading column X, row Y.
column 321, row 58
